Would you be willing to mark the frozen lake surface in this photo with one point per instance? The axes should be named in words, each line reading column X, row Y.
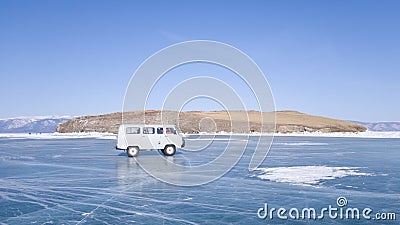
column 85, row 180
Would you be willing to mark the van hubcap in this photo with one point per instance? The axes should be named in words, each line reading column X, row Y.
column 170, row 150
column 133, row 151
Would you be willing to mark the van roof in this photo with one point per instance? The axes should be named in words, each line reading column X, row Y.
column 149, row 125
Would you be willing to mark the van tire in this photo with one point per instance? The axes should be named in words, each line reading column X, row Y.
column 169, row 150
column 132, row 151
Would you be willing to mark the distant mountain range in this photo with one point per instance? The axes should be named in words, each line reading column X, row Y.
column 380, row 126
column 35, row 124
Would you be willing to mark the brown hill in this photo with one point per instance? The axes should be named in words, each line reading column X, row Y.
column 214, row 121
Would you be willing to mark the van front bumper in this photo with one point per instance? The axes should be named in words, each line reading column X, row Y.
column 116, row 147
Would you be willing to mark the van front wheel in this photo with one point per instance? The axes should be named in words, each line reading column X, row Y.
column 169, row 150
column 132, row 151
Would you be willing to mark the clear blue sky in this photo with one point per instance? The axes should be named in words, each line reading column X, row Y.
column 338, row 59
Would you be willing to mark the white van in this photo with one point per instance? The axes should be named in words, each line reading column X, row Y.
column 132, row 138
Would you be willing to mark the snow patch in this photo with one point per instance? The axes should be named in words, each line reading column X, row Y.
column 307, row 175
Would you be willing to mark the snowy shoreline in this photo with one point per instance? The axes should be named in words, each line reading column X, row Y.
column 110, row 136
column 56, row 135
column 367, row 134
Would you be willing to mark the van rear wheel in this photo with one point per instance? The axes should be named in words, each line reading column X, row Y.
column 169, row 150
column 132, row 151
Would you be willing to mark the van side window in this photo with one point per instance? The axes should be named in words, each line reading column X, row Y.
column 148, row 130
column 170, row 130
column 133, row 130
column 160, row 130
